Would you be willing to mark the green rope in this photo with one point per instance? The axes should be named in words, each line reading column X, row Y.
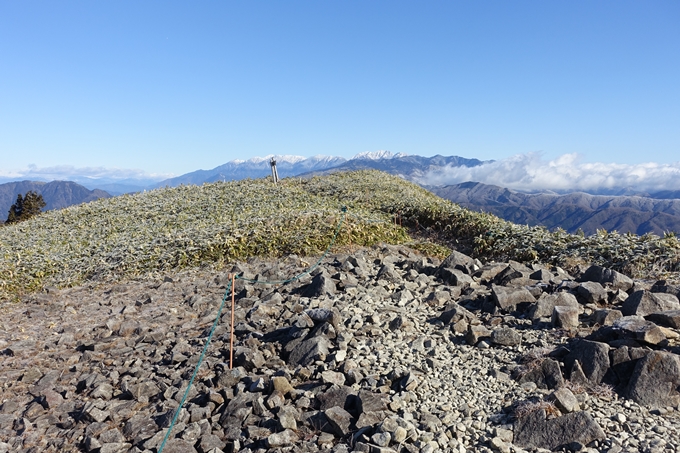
column 219, row 312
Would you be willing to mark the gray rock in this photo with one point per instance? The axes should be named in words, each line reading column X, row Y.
column 505, row 336
column 643, row 303
column 322, row 285
column 606, row 317
column 178, row 446
column 670, row 318
column 592, row 292
column 339, row 420
column 536, row 431
column 509, row 298
column 655, row 380
column 544, row 306
column 593, row 357
column 331, row 316
column 546, row 376
column 209, row 442
column 565, row 400
column 308, row 351
column 476, row 333
column 640, row 329
column 389, row 273
column 566, row 317
column 460, row 261
column 453, row 313
column 604, row 276
column 120, row 447
column 455, row 277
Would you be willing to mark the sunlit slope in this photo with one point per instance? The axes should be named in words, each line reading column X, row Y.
column 168, row 229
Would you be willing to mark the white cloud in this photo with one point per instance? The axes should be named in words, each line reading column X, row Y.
column 530, row 172
column 68, row 172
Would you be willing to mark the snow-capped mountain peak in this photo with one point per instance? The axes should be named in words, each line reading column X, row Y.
column 377, row 155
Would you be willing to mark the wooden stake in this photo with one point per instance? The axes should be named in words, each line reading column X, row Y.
column 231, row 336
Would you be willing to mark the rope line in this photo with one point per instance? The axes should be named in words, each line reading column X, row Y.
column 219, row 312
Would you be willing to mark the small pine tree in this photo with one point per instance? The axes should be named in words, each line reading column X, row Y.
column 25, row 207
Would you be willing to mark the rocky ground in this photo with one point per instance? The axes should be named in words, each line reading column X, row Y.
column 379, row 350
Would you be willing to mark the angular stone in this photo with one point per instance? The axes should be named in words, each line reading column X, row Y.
column 592, row 292
column 119, row 447
column 372, row 402
column 453, row 313
column 565, row 400
column 309, row 351
column 460, row 261
column 547, row 376
column 338, row 395
column 566, row 317
column 287, row 416
column 387, row 272
column 640, row 329
column 670, row 318
column 322, row 285
column 177, row 445
column 331, row 316
column 476, row 333
column 209, row 442
column 282, row 385
column 339, row 420
column 643, row 303
column 607, row 317
column 509, row 298
column 547, row 302
column 139, row 427
column 332, row 377
column 655, row 380
column 506, row 336
column 604, row 276
column 455, row 277
column 593, row 357
column 536, row 431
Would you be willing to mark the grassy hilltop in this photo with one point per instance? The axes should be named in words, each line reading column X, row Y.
column 172, row 228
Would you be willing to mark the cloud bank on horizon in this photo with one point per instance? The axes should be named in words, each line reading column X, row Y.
column 71, row 173
column 531, row 172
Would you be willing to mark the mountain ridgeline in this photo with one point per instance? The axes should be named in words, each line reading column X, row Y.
column 57, row 194
column 572, row 212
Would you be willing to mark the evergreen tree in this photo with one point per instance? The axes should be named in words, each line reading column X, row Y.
column 25, row 207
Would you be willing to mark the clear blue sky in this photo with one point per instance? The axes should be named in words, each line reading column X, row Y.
column 176, row 86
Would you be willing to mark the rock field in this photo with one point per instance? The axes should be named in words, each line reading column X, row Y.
column 378, row 350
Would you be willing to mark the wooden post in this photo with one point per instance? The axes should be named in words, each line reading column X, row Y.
column 231, row 336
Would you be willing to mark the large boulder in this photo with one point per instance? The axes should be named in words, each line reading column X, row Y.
column 536, row 431
column 593, row 357
column 655, row 380
column 508, row 299
column 604, row 276
column 543, row 308
column 643, row 303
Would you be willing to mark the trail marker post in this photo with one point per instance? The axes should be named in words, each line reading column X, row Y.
column 275, row 173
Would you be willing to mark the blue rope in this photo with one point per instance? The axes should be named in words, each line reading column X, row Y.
column 219, row 312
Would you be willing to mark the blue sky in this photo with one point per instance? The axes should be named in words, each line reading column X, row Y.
column 170, row 87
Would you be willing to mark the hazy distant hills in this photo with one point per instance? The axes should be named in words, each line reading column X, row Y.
column 572, row 211
column 621, row 209
column 57, row 194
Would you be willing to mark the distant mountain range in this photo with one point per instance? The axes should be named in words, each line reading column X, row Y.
column 571, row 212
column 57, row 194
column 657, row 212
